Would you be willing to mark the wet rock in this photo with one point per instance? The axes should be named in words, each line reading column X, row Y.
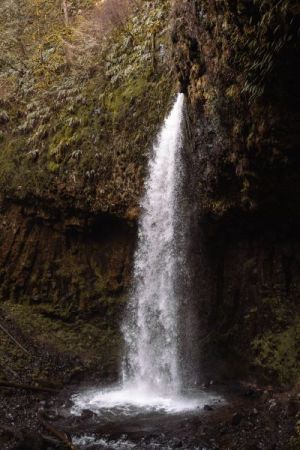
column 293, row 407
column 208, row 408
column 254, row 412
column 64, row 413
column 252, row 392
column 236, row 419
column 52, row 414
column 87, row 414
column 177, row 443
column 208, row 384
column 272, row 403
column 30, row 441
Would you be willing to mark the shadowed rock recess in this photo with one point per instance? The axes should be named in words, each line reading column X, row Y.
column 74, row 147
column 239, row 64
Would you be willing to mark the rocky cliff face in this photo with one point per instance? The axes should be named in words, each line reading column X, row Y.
column 76, row 126
column 64, row 280
column 239, row 63
column 74, row 144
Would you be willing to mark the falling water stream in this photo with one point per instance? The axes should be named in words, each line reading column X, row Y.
column 151, row 328
column 151, row 368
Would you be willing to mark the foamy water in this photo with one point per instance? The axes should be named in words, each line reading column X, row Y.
column 88, row 441
column 133, row 400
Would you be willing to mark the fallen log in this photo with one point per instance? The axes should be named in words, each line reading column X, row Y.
column 62, row 436
column 28, row 387
column 14, row 340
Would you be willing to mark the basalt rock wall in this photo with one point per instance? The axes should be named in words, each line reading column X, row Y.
column 64, row 259
column 77, row 123
column 239, row 63
column 65, row 278
column 73, row 158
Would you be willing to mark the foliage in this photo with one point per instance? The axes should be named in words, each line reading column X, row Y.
column 97, row 23
column 272, row 29
column 71, row 106
column 68, row 335
column 277, row 353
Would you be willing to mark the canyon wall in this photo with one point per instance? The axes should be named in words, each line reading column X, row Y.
column 239, row 64
column 75, row 140
column 76, row 129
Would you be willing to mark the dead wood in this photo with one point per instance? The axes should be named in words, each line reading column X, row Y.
column 62, row 436
column 28, row 387
column 14, row 340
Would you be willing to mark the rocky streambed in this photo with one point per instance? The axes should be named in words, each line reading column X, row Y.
column 251, row 418
column 38, row 382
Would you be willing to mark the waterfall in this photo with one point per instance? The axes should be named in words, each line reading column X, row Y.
column 157, row 327
column 151, row 329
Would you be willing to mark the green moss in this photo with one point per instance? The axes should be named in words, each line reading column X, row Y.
column 118, row 101
column 53, row 166
column 9, row 159
column 89, row 124
column 278, row 353
column 96, row 341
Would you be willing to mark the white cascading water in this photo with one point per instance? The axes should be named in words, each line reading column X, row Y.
column 151, row 366
column 151, row 328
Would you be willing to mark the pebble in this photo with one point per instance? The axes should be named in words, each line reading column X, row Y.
column 272, row 403
column 208, row 408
